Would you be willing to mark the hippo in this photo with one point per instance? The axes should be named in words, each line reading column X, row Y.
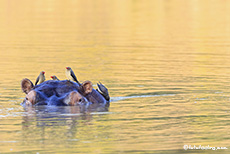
column 64, row 93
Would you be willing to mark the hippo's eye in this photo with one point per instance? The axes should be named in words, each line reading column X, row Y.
column 80, row 100
column 26, row 98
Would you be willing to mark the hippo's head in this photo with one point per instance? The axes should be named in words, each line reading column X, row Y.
column 58, row 93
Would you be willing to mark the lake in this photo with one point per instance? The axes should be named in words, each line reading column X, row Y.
column 166, row 64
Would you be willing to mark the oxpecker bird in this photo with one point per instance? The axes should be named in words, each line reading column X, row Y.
column 103, row 91
column 54, row 78
column 41, row 78
column 70, row 75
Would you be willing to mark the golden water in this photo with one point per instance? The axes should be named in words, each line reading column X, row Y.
column 166, row 64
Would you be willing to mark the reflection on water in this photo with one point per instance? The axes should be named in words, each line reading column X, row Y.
column 43, row 118
column 165, row 63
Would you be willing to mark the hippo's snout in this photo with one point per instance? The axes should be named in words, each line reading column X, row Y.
column 75, row 98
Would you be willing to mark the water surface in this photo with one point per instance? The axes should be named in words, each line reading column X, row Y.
column 166, row 64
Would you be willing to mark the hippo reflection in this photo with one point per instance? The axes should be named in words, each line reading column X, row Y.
column 64, row 93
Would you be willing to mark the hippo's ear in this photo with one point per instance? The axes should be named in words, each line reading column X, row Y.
column 26, row 85
column 87, row 87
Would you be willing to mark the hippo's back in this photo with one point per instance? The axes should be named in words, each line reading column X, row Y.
column 58, row 88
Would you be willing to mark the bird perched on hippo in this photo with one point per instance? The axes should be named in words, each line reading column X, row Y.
column 70, row 75
column 41, row 78
column 54, row 77
column 64, row 92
